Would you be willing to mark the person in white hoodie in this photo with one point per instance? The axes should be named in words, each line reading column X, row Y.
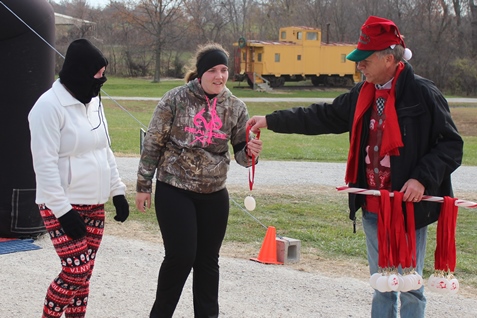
column 76, row 173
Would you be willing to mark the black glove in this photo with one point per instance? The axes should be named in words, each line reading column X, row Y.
column 73, row 224
column 122, row 208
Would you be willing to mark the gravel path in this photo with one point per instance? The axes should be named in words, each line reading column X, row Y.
column 300, row 173
column 306, row 100
column 123, row 286
column 124, row 281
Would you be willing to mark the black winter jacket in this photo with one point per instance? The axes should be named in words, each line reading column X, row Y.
column 432, row 147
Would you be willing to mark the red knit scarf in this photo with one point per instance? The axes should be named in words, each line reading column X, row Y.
column 391, row 134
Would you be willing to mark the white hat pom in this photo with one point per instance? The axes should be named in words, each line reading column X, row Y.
column 407, row 54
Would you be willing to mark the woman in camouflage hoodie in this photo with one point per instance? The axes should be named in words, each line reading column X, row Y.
column 187, row 148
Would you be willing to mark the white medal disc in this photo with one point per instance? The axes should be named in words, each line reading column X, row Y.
column 431, row 282
column 382, row 284
column 419, row 281
column 441, row 285
column 412, row 281
column 453, row 286
column 393, row 282
column 407, row 284
column 249, row 203
column 373, row 279
column 401, row 282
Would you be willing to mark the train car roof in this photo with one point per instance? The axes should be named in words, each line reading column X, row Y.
column 301, row 27
column 338, row 44
column 261, row 43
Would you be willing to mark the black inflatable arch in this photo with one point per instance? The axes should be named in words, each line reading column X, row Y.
column 26, row 71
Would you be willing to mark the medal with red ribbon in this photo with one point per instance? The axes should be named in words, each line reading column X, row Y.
column 396, row 246
column 445, row 259
column 249, row 201
column 443, row 279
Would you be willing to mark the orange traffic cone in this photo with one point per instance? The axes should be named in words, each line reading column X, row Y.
column 268, row 251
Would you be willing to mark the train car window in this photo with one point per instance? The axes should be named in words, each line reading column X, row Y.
column 277, row 57
column 343, row 58
column 312, row 36
column 299, row 35
column 283, row 35
column 259, row 57
column 298, row 57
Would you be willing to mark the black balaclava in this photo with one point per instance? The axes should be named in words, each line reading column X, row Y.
column 210, row 59
column 82, row 61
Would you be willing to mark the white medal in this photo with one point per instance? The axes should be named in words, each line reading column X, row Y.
column 249, row 203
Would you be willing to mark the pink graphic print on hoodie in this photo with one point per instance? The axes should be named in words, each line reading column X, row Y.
column 205, row 130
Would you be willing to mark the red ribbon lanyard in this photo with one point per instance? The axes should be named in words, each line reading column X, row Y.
column 251, row 173
column 399, row 242
column 445, row 253
column 411, row 233
column 384, row 224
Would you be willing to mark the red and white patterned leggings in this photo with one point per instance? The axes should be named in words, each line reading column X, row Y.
column 69, row 291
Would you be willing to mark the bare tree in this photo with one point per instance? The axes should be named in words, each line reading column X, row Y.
column 315, row 13
column 160, row 19
column 209, row 18
column 365, row 8
column 239, row 15
column 339, row 18
column 473, row 9
column 274, row 15
column 458, row 19
column 431, row 32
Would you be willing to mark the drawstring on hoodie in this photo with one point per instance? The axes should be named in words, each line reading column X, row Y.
column 101, row 120
column 207, row 98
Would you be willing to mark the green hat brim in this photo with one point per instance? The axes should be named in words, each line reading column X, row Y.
column 359, row 55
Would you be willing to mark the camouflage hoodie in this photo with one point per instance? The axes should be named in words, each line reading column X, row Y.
column 187, row 141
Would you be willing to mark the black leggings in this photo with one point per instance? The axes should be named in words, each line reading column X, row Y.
column 193, row 227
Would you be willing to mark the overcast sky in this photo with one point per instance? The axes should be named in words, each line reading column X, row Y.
column 95, row 3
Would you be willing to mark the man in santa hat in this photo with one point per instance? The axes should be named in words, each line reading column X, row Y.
column 402, row 139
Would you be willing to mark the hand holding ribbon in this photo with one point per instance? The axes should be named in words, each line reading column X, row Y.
column 249, row 201
column 252, row 171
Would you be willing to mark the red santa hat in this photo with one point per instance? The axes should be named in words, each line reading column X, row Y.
column 377, row 34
